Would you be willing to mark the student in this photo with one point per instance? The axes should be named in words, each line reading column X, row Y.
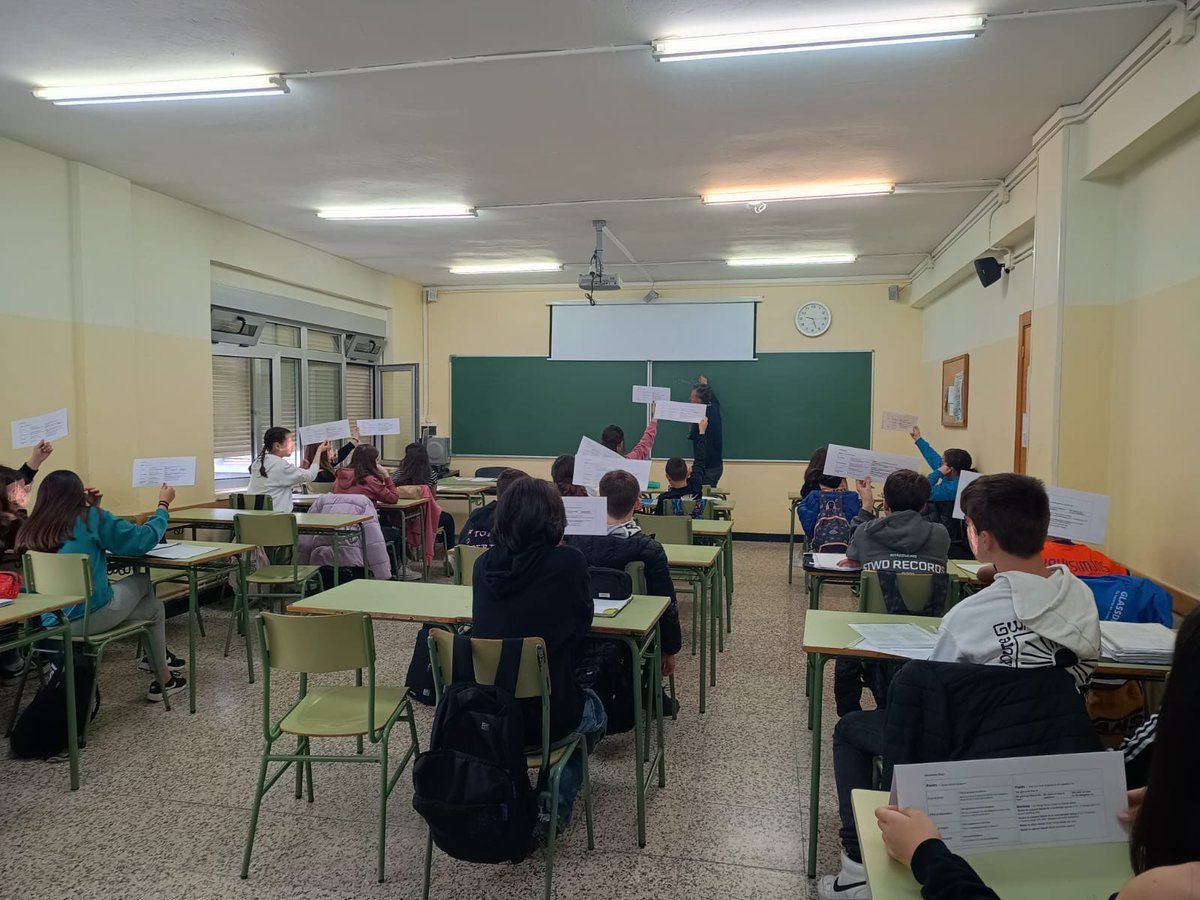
column 477, row 532
column 415, row 470
column 946, row 468
column 713, row 453
column 562, row 473
column 273, row 472
column 1164, row 842
column 68, row 519
column 38, row 456
column 825, row 515
column 531, row 585
column 1030, row 617
column 364, row 475
column 329, row 462
column 812, row 475
column 901, row 542
column 681, row 486
column 14, row 496
column 624, row 544
column 613, row 437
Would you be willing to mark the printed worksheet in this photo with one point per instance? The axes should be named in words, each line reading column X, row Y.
column 588, row 447
column 903, row 639
column 894, row 421
column 586, row 515
column 644, row 393
column 1030, row 801
column 177, row 471
column 853, row 462
column 368, row 427
column 590, row 469
column 32, row 431
column 964, row 478
column 1078, row 515
column 326, row 431
column 673, row 411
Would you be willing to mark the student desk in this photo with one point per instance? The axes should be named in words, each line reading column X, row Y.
column 720, row 532
column 306, row 523
column 469, row 489
column 636, row 626
column 794, row 501
column 1079, row 872
column 407, row 508
column 220, row 557
column 699, row 564
column 28, row 606
column 827, row 634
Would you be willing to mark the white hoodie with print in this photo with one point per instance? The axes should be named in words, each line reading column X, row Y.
column 1025, row 621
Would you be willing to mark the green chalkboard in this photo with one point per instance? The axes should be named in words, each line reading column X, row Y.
column 532, row 406
column 780, row 406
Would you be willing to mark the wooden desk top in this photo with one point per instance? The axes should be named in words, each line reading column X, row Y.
column 403, row 503
column 219, row 552
column 1078, row 872
column 464, row 486
column 691, row 556
column 305, row 521
column 711, row 527
column 26, row 606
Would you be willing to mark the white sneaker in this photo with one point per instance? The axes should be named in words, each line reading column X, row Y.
column 848, row 884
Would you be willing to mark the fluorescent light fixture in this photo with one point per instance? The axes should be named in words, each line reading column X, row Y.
column 799, row 192
column 506, row 268
column 807, row 259
column 828, row 37
column 443, row 211
column 150, row 91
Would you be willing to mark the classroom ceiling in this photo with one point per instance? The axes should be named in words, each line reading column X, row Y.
column 613, row 126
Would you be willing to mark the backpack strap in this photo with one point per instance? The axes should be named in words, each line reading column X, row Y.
column 510, row 664
column 462, row 668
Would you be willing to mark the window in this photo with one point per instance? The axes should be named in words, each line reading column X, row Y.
column 241, row 413
column 289, row 399
column 324, row 341
column 280, row 335
column 359, row 394
column 324, row 393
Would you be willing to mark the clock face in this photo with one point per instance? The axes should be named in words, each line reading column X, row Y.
column 813, row 319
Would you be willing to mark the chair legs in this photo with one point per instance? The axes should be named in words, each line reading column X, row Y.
column 259, row 790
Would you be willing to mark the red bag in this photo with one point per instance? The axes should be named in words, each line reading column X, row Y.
column 10, row 585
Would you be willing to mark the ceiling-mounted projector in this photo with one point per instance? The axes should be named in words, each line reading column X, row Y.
column 599, row 282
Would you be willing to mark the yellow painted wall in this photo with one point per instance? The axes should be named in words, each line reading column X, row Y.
column 516, row 323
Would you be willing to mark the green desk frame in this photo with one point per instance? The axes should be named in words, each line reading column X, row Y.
column 794, row 501
column 700, row 566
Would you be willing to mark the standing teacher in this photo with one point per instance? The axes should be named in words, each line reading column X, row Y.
column 708, row 454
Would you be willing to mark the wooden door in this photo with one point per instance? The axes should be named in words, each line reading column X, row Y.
column 1024, row 355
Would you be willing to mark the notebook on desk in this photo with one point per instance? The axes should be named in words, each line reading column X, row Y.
column 828, row 562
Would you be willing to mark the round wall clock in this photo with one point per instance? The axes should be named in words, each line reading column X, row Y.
column 813, row 319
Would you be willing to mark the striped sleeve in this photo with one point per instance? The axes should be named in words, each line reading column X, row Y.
column 1134, row 745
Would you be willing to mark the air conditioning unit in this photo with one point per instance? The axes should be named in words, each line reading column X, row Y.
column 232, row 327
column 364, row 348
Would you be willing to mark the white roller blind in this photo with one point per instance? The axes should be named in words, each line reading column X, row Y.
column 289, row 403
column 324, row 392
column 359, row 403
column 715, row 330
column 233, row 441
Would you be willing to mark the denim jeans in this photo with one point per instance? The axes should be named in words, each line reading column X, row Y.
column 592, row 726
column 857, row 740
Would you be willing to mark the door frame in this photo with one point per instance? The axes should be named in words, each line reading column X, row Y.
column 1024, row 350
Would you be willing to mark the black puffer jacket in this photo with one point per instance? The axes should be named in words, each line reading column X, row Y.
column 938, row 712
column 617, row 552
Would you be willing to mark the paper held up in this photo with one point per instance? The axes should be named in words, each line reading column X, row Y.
column 964, row 478
column 894, row 421
column 368, row 427
column 594, row 461
column 852, row 462
column 588, row 447
column 177, row 471
column 586, row 515
column 326, row 431
column 32, row 431
column 1074, row 515
column 644, row 393
column 673, row 411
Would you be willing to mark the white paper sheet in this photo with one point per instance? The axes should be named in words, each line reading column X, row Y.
column 588, row 447
column 177, row 471
column 180, row 551
column 644, row 393
column 326, row 431
column 367, row 427
column 1031, row 801
column 1078, row 515
column 894, row 421
column 673, row 411
column 902, row 639
column 964, row 478
column 47, row 427
column 830, row 562
column 590, row 469
column 852, row 462
column 606, row 609
column 586, row 515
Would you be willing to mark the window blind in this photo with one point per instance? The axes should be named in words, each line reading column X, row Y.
column 324, row 392
column 359, row 395
column 233, row 441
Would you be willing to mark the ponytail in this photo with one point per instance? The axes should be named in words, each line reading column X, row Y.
column 274, row 435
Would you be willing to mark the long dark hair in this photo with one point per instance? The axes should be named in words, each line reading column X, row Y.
column 816, row 465
column 414, row 469
column 310, row 453
column 276, row 434
column 562, row 473
column 8, row 511
column 364, row 461
column 958, row 460
column 528, row 516
column 1164, row 831
column 61, row 501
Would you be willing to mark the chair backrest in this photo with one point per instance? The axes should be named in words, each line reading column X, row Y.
column 668, row 529
column 637, row 574
column 60, row 574
column 278, row 530
column 533, row 678
column 250, row 501
column 303, row 643
column 319, row 487
column 464, row 562
column 490, row 471
column 688, row 508
column 915, row 592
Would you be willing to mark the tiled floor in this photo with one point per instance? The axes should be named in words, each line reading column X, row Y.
column 165, row 798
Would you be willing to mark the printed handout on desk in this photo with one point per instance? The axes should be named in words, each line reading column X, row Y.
column 177, row 471
column 607, row 609
column 32, row 431
column 644, row 393
column 586, row 515
column 325, row 431
column 853, row 462
column 1078, row 515
column 902, row 639
column 367, row 427
column 674, row 411
column 180, row 551
column 1028, row 801
column 830, row 561
column 894, row 421
column 964, row 478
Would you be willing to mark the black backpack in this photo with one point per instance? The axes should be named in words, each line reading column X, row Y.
column 472, row 785
column 41, row 729
column 420, row 670
column 606, row 668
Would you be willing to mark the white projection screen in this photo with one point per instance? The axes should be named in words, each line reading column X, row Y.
column 708, row 330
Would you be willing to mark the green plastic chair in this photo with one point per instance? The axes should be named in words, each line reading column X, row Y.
column 464, row 562
column 668, row 529
column 251, row 501
column 915, row 591
column 637, row 574
column 308, row 645
column 70, row 574
column 533, row 680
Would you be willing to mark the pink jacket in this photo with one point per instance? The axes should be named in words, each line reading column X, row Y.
column 317, row 550
column 377, row 489
column 646, row 444
column 428, row 522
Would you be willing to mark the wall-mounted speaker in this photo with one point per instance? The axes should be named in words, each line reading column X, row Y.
column 989, row 270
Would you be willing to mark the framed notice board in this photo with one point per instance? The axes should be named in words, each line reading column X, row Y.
column 956, row 385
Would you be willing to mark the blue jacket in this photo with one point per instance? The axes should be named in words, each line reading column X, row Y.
column 943, row 488
column 98, row 533
column 1127, row 598
column 810, row 508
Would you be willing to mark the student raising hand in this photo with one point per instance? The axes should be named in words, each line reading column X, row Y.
column 866, row 492
column 40, row 454
column 904, row 830
column 703, row 425
column 916, row 433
